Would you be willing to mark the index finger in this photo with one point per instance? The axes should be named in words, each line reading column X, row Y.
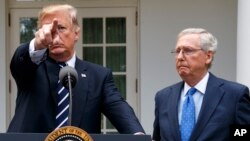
column 54, row 25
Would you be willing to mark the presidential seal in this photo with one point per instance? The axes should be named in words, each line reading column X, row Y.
column 69, row 133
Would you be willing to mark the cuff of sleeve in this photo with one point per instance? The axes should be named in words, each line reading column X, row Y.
column 139, row 133
column 37, row 56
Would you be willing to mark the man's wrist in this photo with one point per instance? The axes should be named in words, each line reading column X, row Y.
column 37, row 56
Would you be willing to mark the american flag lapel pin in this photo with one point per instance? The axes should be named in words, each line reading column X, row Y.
column 83, row 75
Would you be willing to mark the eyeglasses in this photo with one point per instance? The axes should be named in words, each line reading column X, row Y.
column 185, row 51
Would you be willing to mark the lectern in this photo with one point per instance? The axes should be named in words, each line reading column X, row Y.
column 96, row 137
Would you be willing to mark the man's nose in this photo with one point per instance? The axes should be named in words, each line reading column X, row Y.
column 180, row 54
column 56, row 37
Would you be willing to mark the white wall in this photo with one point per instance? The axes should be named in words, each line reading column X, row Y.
column 160, row 22
column 243, row 36
column 3, row 81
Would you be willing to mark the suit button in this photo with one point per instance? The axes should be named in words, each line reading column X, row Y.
column 50, row 129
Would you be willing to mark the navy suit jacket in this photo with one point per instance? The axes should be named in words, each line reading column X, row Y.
column 224, row 103
column 94, row 93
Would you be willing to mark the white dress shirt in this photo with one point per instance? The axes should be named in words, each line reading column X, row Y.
column 197, row 96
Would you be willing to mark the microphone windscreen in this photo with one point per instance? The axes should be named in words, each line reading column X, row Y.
column 65, row 72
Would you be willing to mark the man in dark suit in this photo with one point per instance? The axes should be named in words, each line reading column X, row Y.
column 217, row 103
column 35, row 69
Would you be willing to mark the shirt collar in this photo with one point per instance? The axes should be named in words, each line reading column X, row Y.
column 71, row 62
column 200, row 86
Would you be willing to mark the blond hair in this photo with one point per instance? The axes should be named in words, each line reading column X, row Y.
column 58, row 7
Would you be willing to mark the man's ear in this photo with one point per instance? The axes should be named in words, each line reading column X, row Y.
column 77, row 34
column 76, row 37
column 210, row 56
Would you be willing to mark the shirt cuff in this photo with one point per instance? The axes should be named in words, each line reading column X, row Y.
column 37, row 56
column 139, row 133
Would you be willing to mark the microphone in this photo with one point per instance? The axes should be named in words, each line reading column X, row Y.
column 68, row 77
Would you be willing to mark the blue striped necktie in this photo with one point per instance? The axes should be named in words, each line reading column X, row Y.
column 62, row 111
column 188, row 116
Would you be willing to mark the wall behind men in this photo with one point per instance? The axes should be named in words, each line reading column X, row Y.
column 3, row 60
column 160, row 22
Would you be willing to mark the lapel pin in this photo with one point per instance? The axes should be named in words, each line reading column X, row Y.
column 83, row 75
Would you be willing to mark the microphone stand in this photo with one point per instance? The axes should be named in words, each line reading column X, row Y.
column 70, row 100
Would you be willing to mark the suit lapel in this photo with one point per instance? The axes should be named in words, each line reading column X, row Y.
column 80, row 93
column 52, row 70
column 211, row 99
column 173, row 109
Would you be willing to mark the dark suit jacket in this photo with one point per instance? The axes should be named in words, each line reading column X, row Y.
column 224, row 103
column 94, row 93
